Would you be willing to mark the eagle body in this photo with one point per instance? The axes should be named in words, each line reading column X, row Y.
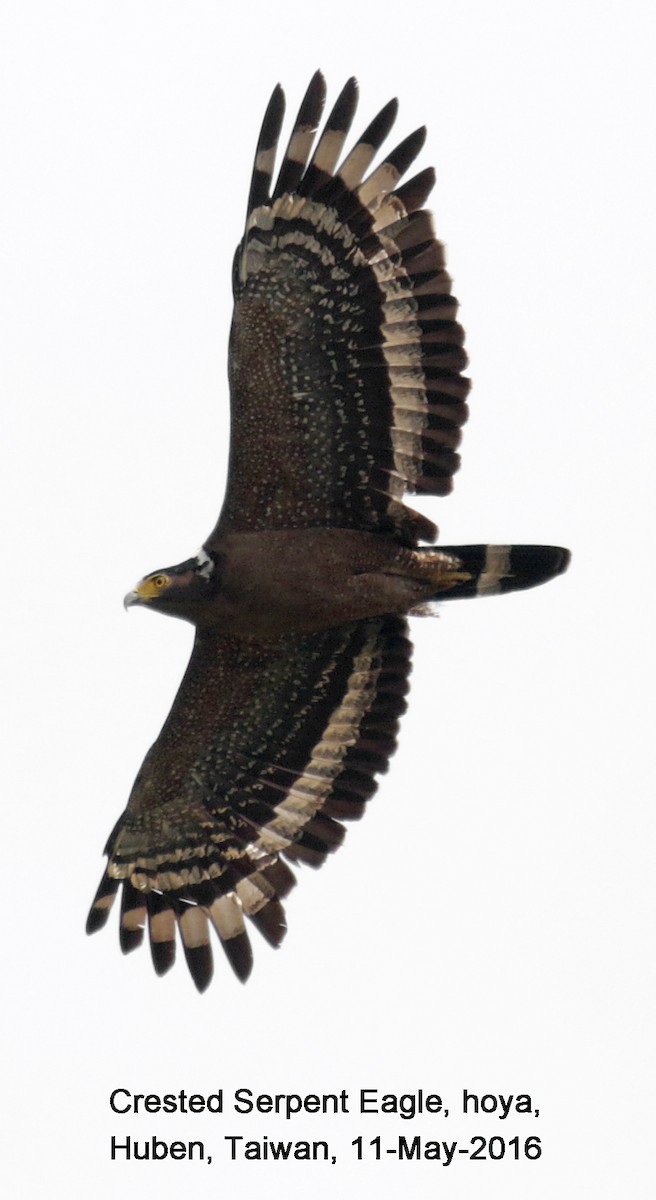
column 347, row 392
column 263, row 584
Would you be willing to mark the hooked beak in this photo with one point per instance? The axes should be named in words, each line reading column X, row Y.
column 144, row 591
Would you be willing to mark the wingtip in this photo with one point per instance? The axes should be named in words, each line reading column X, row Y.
column 239, row 952
column 96, row 919
column 130, row 939
column 349, row 96
column 201, row 965
column 270, row 922
column 378, row 129
column 102, row 903
column 315, row 94
column 163, row 956
column 390, row 111
column 273, row 117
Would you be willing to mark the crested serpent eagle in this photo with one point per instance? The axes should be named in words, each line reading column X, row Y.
column 346, row 393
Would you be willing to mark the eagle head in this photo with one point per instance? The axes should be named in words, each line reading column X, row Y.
column 179, row 590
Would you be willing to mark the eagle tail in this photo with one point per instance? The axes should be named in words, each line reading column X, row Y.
column 487, row 570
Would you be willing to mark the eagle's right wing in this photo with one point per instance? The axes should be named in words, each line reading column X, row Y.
column 346, row 357
column 267, row 748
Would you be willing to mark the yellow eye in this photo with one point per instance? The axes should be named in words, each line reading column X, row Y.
column 150, row 587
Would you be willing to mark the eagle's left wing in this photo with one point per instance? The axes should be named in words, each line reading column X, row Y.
column 267, row 748
column 345, row 354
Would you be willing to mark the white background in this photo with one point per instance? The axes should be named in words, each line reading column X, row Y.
column 489, row 924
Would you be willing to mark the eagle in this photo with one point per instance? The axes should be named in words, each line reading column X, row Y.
column 346, row 391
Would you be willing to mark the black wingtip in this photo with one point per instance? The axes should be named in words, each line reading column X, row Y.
column 379, row 128
column 102, row 903
column 273, row 119
column 277, row 97
column 96, row 919
column 345, row 106
column 270, row 922
column 414, row 194
column 313, row 101
column 130, row 939
column 406, row 152
column 239, row 953
column 200, row 964
column 318, row 81
column 163, row 956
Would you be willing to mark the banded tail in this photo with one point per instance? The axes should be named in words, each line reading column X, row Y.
column 490, row 570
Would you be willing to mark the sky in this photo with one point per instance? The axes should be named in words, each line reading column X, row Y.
column 487, row 926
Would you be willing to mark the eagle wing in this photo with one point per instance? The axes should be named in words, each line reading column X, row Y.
column 345, row 355
column 267, row 748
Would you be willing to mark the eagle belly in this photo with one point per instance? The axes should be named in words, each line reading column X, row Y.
column 306, row 580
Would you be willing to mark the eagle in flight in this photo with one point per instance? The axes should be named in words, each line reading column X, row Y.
column 347, row 391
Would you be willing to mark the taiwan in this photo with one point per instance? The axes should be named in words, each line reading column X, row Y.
column 258, row 1150
column 156, row 1149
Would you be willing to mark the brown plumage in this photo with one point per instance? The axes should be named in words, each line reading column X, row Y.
column 346, row 393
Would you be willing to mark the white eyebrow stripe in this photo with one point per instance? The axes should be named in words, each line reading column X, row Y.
column 205, row 563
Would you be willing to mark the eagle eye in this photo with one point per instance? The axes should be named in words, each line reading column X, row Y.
column 159, row 581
